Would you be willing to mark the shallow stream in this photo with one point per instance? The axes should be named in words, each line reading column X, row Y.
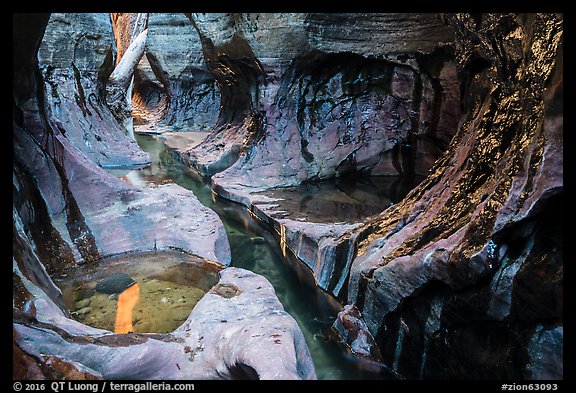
column 254, row 247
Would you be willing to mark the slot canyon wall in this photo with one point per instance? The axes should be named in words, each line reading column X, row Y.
column 68, row 211
column 461, row 279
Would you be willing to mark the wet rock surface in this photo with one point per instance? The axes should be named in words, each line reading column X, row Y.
column 473, row 224
column 462, row 278
column 173, row 89
column 68, row 211
column 246, row 336
column 76, row 58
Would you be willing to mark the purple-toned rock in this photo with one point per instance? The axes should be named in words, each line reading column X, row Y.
column 353, row 331
column 95, row 214
column 483, row 232
column 303, row 101
column 173, row 89
column 76, row 57
column 238, row 330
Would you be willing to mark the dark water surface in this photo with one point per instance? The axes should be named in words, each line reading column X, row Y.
column 254, row 247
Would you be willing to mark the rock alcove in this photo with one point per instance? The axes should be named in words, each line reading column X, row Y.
column 461, row 277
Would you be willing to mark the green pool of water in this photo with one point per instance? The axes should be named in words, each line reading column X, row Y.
column 254, row 247
column 152, row 292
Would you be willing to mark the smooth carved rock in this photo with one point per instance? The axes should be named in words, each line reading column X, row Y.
column 76, row 58
column 247, row 336
column 173, row 89
column 330, row 114
column 292, row 88
column 95, row 214
column 472, row 224
column 67, row 210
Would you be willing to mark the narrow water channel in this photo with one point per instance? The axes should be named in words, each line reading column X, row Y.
column 254, row 247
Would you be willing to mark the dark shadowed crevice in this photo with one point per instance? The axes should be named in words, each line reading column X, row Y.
column 241, row 371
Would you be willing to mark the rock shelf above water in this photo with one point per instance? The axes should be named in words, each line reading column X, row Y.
column 244, row 334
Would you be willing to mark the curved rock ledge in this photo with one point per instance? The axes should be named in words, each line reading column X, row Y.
column 238, row 330
column 67, row 210
column 312, row 243
column 76, row 58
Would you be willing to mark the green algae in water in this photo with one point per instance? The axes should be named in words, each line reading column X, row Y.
column 314, row 310
column 164, row 289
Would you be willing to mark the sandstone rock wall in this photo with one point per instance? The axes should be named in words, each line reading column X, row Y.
column 446, row 279
column 67, row 210
column 173, row 89
column 76, row 58
column 328, row 101
column 462, row 279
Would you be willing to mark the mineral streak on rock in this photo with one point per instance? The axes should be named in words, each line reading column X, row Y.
column 76, row 58
column 461, row 279
column 492, row 193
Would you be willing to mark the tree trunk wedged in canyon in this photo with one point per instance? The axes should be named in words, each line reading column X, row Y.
column 472, row 257
column 68, row 211
column 130, row 33
column 76, row 58
column 461, row 279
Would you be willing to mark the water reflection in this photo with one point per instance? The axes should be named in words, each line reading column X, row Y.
column 342, row 200
column 254, row 247
column 152, row 292
column 126, row 302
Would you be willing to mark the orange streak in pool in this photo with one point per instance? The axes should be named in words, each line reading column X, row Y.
column 126, row 302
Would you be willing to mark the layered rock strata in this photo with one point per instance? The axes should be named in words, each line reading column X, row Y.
column 325, row 103
column 173, row 89
column 67, row 211
column 76, row 59
column 458, row 279
column 312, row 103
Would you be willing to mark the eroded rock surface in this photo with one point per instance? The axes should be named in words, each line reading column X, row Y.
column 303, row 101
column 240, row 332
column 76, row 58
column 173, row 89
column 445, row 272
column 67, row 210
column 461, row 279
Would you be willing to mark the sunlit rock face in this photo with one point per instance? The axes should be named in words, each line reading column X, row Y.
column 463, row 278
column 76, row 57
column 173, row 89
